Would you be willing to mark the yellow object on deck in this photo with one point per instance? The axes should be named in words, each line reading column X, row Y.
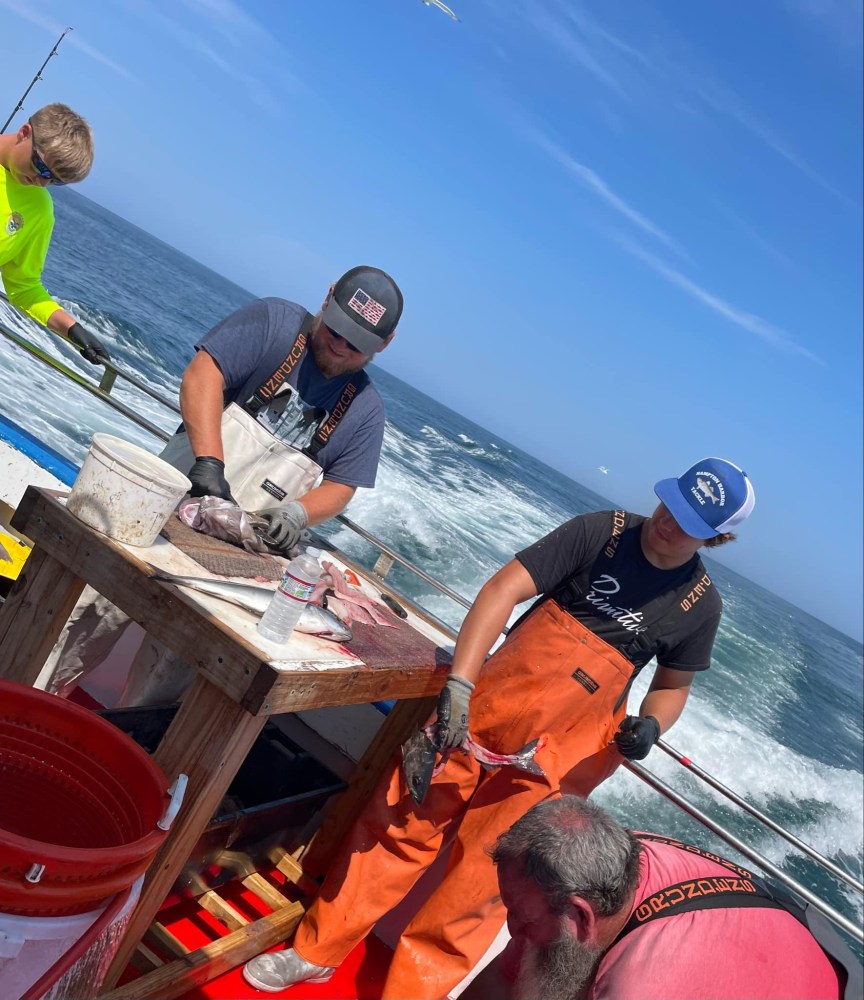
column 17, row 552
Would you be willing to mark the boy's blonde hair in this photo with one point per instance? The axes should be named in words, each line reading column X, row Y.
column 64, row 140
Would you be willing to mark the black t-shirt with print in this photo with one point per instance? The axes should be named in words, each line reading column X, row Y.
column 636, row 608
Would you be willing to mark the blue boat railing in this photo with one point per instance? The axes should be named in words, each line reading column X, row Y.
column 388, row 556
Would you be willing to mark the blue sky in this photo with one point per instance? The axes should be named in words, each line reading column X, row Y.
column 628, row 234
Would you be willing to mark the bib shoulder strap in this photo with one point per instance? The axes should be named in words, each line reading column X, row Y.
column 265, row 392
column 739, row 889
column 326, row 428
column 710, row 893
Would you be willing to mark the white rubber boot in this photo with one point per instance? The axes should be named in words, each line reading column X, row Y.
column 276, row 971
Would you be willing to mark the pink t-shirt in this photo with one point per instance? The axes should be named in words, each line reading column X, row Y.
column 728, row 954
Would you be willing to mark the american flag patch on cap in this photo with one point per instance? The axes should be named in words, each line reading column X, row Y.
column 368, row 308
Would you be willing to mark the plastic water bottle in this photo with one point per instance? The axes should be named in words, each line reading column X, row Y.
column 298, row 582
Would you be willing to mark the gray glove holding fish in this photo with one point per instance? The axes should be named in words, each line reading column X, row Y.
column 284, row 525
column 452, row 725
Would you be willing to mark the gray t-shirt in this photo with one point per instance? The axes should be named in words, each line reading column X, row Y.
column 250, row 344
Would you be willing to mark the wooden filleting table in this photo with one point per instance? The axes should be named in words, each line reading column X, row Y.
column 240, row 679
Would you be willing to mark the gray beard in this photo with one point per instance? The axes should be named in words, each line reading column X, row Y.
column 562, row 970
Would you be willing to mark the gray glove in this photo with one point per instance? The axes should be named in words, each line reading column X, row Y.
column 452, row 725
column 208, row 479
column 92, row 349
column 284, row 525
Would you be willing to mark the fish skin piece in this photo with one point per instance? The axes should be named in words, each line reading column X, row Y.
column 418, row 763
column 523, row 759
column 315, row 620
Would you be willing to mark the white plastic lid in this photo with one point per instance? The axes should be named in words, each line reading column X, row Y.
column 312, row 551
column 136, row 459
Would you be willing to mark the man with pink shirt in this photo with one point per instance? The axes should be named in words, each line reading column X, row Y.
column 595, row 911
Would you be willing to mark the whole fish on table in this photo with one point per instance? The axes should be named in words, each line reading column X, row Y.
column 315, row 620
column 419, row 753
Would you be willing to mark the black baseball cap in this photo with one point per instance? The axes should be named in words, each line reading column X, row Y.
column 364, row 307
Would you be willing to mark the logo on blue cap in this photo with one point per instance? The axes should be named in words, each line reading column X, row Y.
column 711, row 498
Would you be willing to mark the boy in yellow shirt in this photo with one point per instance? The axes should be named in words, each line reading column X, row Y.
column 54, row 146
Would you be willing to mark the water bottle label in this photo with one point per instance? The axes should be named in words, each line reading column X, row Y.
column 295, row 588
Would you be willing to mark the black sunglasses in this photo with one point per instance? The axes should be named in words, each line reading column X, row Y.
column 39, row 165
column 338, row 336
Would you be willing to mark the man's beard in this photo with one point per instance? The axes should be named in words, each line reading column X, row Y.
column 331, row 367
column 559, row 971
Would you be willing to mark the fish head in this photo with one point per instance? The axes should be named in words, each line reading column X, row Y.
column 418, row 763
column 321, row 622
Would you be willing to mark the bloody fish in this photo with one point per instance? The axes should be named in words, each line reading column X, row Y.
column 419, row 766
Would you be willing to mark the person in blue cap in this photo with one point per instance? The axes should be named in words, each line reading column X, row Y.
column 614, row 590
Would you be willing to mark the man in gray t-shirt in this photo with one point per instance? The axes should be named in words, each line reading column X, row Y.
column 299, row 376
column 302, row 378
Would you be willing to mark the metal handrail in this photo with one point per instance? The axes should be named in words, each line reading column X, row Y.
column 385, row 548
column 767, row 866
column 770, row 823
column 394, row 556
column 103, row 389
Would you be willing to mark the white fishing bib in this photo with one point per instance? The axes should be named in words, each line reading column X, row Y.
column 261, row 470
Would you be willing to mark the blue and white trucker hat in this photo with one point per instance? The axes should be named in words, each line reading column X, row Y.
column 711, row 498
column 364, row 308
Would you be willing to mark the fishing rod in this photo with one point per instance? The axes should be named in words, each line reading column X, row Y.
column 38, row 76
column 733, row 797
column 767, row 866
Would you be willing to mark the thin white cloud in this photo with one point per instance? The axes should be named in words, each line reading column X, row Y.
column 656, row 73
column 726, row 103
column 589, row 179
column 256, row 91
column 756, row 237
column 223, row 14
column 229, row 19
column 764, row 330
column 842, row 20
column 27, row 12
column 554, row 31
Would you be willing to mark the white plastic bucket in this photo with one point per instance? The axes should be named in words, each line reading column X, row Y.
column 125, row 491
column 29, row 946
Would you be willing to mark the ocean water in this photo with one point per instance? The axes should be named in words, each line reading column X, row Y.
column 778, row 718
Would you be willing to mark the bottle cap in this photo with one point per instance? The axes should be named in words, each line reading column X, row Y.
column 312, row 551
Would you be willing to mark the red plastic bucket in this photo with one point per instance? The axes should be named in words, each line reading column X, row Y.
column 77, row 796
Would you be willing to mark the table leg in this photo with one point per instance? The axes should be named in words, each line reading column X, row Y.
column 342, row 811
column 208, row 740
column 33, row 616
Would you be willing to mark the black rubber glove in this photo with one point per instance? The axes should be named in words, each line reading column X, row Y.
column 208, row 479
column 92, row 349
column 452, row 725
column 284, row 525
column 636, row 735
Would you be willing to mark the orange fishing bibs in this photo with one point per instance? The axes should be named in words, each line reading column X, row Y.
column 555, row 681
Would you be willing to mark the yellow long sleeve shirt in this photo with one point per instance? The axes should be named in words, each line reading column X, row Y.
column 26, row 224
